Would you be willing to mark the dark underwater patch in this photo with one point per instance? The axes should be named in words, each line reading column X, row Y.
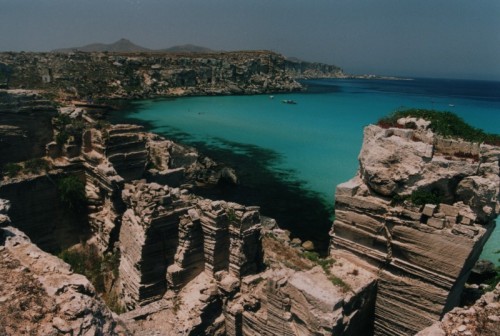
column 278, row 192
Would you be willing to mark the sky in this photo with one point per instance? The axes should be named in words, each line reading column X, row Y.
column 415, row 38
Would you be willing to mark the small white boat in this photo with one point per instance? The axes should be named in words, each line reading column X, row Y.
column 288, row 101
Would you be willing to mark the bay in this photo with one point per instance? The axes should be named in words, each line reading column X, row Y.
column 290, row 157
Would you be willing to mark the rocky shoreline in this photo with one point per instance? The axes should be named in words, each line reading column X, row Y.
column 95, row 76
column 171, row 262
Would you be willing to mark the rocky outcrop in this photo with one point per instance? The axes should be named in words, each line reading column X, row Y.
column 168, row 237
column 40, row 295
column 301, row 69
column 482, row 318
column 175, row 165
column 125, row 149
column 109, row 75
column 37, row 209
column 25, row 126
column 424, row 252
column 300, row 294
column 300, row 303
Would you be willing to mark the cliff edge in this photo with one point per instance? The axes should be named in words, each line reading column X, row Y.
column 419, row 210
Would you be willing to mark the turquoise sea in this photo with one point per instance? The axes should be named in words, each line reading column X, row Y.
column 290, row 157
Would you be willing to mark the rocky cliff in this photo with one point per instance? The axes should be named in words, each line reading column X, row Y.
column 482, row 318
column 40, row 295
column 408, row 230
column 25, row 126
column 145, row 75
column 186, row 264
column 301, row 69
column 419, row 210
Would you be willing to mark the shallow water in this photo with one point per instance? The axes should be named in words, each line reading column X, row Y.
column 291, row 157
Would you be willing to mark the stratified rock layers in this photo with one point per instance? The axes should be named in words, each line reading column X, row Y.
column 482, row 318
column 25, row 125
column 424, row 253
column 168, row 237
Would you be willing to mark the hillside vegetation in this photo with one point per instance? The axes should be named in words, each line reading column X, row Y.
column 446, row 124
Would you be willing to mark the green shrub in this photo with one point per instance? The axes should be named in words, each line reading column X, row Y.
column 313, row 256
column 102, row 124
column 76, row 127
column 231, row 215
column 35, row 166
column 12, row 169
column 339, row 283
column 62, row 120
column 88, row 262
column 62, row 137
column 325, row 263
column 398, row 199
column 446, row 124
column 72, row 192
column 421, row 197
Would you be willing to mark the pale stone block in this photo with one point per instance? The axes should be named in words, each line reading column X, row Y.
column 463, row 231
column 448, row 210
column 437, row 223
column 348, row 188
column 429, row 209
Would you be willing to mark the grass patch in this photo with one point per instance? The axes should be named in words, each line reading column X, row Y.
column 36, row 166
column 276, row 250
column 295, row 260
column 326, row 264
column 88, row 261
column 419, row 197
column 61, row 138
column 62, row 120
column 446, row 124
column 12, row 169
column 339, row 283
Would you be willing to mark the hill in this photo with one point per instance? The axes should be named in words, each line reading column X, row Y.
column 122, row 45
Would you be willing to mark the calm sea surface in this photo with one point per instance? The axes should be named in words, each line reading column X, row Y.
column 291, row 157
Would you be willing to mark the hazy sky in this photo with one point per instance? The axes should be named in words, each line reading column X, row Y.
column 428, row 38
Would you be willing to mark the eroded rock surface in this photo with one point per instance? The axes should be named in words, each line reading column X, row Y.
column 424, row 252
column 40, row 295
column 482, row 318
column 25, row 125
column 168, row 237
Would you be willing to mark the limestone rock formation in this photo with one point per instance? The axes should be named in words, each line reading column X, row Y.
column 37, row 209
column 301, row 296
column 25, row 126
column 40, row 295
column 141, row 75
column 168, row 237
column 301, row 69
column 424, row 252
column 482, row 318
